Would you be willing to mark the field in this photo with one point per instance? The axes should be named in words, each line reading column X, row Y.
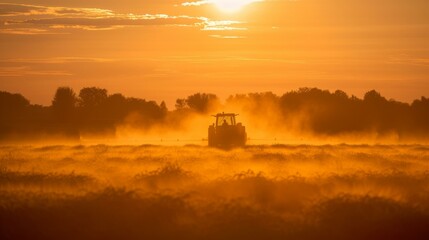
column 195, row 192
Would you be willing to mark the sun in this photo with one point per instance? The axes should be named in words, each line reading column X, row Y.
column 231, row 6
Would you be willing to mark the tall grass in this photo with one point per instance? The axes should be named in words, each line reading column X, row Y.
column 193, row 192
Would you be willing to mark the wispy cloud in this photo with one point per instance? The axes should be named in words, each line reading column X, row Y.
column 58, row 60
column 14, row 10
column 222, row 25
column 408, row 60
column 226, row 37
column 85, row 27
column 203, row 2
column 20, row 71
column 117, row 21
column 24, row 31
column 32, row 19
column 196, row 3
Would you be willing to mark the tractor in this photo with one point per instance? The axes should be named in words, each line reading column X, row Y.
column 226, row 132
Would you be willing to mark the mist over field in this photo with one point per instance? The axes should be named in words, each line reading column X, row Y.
column 195, row 192
column 303, row 116
column 317, row 165
column 214, row 119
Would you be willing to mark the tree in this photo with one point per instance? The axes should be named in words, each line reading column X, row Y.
column 374, row 97
column 201, row 102
column 163, row 107
column 180, row 104
column 13, row 108
column 10, row 103
column 64, row 103
column 64, row 108
column 92, row 97
column 115, row 108
column 341, row 94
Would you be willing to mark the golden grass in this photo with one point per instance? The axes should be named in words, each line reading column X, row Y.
column 195, row 192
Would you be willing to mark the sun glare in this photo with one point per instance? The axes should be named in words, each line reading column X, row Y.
column 232, row 5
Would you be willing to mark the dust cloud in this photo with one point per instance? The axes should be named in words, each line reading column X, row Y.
column 318, row 165
column 306, row 116
column 303, row 116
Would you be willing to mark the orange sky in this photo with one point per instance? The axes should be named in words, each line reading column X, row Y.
column 165, row 49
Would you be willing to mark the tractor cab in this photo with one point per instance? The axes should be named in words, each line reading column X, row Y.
column 225, row 119
column 226, row 132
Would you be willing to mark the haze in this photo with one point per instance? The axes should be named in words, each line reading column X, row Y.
column 107, row 128
column 162, row 49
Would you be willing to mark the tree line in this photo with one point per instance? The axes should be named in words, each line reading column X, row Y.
column 334, row 113
column 94, row 110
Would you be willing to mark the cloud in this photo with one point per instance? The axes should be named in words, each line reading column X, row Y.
column 197, row 3
column 23, row 31
column 58, row 60
column 226, row 37
column 20, row 71
column 410, row 61
column 222, row 25
column 14, row 10
column 204, row 2
column 31, row 19
column 117, row 21
column 85, row 27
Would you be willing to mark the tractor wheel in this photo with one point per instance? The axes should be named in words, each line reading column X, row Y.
column 212, row 137
column 243, row 137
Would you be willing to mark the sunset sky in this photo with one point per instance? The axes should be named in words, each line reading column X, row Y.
column 166, row 49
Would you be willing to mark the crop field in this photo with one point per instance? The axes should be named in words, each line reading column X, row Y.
column 195, row 192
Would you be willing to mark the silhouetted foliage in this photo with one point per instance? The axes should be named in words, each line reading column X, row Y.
column 180, row 104
column 9, row 102
column 420, row 113
column 163, row 107
column 69, row 116
column 255, row 102
column 64, row 102
column 199, row 102
column 92, row 97
column 13, row 112
column 322, row 112
column 313, row 110
column 64, row 108
column 116, row 111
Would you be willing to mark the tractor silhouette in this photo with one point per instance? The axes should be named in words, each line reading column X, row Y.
column 225, row 132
